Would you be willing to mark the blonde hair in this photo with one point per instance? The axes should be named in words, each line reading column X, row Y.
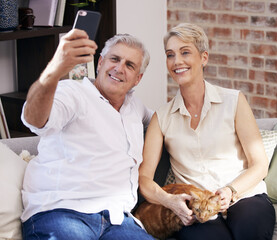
column 189, row 32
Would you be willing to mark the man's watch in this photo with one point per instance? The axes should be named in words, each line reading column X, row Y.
column 234, row 193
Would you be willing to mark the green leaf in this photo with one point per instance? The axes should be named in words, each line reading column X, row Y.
column 80, row 4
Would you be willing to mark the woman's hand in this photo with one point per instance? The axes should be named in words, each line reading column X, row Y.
column 177, row 203
column 226, row 197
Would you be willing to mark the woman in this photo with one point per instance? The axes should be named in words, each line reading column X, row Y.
column 214, row 143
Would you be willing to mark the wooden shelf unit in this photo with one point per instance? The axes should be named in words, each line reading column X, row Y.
column 36, row 47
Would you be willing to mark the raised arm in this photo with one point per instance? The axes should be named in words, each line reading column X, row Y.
column 152, row 191
column 74, row 48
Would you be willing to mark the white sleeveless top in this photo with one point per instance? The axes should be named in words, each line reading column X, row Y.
column 210, row 156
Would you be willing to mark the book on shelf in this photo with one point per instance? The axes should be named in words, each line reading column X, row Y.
column 4, row 130
column 44, row 11
column 60, row 13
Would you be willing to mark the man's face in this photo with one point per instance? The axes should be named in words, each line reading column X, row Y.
column 119, row 71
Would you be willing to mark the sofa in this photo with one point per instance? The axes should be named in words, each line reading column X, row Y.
column 12, row 167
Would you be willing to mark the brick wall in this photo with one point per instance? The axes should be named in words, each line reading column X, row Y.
column 243, row 46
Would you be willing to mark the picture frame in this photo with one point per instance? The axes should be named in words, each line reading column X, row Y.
column 4, row 130
column 82, row 70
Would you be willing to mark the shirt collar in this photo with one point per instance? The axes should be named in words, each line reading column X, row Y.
column 211, row 96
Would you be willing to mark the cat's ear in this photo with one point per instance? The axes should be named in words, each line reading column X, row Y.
column 216, row 198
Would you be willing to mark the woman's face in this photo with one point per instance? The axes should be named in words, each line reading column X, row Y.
column 184, row 62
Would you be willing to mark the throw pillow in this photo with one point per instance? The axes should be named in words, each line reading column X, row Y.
column 12, row 169
column 270, row 180
column 170, row 178
column 269, row 138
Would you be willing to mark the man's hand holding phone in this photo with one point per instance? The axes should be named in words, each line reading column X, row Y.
column 74, row 48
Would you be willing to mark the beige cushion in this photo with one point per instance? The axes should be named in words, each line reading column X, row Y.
column 170, row 178
column 269, row 138
column 12, row 169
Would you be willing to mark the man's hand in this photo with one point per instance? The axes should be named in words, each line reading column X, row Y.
column 74, row 48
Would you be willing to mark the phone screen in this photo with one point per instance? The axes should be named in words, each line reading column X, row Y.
column 88, row 21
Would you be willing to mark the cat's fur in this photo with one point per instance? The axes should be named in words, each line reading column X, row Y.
column 161, row 222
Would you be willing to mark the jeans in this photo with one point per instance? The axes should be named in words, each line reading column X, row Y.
column 64, row 224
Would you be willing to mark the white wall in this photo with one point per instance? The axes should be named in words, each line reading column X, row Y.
column 146, row 19
column 7, row 67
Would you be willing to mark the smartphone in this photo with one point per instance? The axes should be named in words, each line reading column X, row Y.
column 87, row 21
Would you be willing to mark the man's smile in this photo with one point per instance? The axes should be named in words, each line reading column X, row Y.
column 115, row 78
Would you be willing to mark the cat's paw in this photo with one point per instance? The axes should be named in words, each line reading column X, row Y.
column 213, row 217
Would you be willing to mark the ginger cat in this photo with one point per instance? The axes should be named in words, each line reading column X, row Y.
column 161, row 222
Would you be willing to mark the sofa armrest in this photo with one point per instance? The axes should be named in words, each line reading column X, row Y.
column 266, row 123
column 24, row 143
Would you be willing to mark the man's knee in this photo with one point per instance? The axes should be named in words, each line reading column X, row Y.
column 57, row 224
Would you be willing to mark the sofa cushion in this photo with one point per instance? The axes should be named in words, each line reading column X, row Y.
column 12, row 169
column 269, row 138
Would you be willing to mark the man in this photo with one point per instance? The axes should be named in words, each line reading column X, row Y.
column 83, row 183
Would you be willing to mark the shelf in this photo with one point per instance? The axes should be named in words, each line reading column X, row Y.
column 15, row 95
column 12, row 105
column 17, row 134
column 35, row 32
column 35, row 48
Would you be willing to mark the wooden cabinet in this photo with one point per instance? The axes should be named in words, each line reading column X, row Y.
column 34, row 50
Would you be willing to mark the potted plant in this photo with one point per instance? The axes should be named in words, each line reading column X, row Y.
column 83, row 4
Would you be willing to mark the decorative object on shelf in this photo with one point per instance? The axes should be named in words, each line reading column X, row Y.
column 60, row 13
column 8, row 15
column 23, row 3
column 44, row 11
column 26, row 18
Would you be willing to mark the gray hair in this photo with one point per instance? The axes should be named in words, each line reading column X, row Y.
column 131, row 42
column 189, row 32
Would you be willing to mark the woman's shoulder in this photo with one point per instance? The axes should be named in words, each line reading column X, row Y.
column 166, row 109
column 223, row 91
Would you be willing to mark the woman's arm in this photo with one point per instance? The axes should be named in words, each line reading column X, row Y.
column 251, row 141
column 152, row 191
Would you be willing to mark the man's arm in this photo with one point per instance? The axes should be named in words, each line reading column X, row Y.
column 74, row 48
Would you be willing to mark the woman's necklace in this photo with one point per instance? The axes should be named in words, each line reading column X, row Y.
column 195, row 115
